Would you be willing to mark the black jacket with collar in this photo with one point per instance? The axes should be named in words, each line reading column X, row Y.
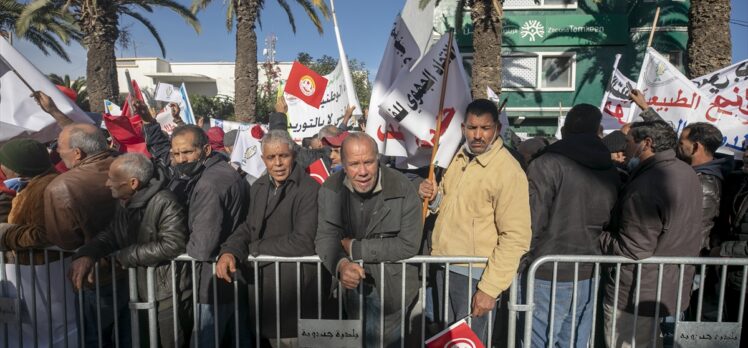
column 149, row 230
column 394, row 233
column 287, row 228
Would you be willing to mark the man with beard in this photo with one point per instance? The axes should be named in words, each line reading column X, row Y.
column 483, row 209
column 697, row 145
column 216, row 198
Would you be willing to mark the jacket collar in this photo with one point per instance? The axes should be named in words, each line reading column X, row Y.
column 295, row 177
column 664, row 156
column 95, row 158
column 485, row 158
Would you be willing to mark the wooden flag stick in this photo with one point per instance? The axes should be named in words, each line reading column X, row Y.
column 17, row 74
column 654, row 27
column 439, row 117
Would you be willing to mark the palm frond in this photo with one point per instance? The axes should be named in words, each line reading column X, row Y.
column 137, row 16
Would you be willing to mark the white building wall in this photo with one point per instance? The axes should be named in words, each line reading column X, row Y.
column 202, row 78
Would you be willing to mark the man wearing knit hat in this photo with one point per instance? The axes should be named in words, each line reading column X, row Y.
column 28, row 169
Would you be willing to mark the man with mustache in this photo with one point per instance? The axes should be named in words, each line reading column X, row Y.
column 483, row 209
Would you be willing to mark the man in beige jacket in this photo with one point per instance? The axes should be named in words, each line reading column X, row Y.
column 483, row 209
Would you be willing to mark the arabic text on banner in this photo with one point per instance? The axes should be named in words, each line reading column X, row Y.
column 305, row 120
column 414, row 101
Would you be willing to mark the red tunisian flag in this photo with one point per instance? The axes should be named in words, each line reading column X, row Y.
column 458, row 335
column 127, row 129
column 318, row 171
column 306, row 84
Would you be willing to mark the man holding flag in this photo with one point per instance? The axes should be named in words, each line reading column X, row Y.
column 483, row 209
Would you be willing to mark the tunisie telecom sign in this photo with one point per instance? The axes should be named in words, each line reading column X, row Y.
column 557, row 30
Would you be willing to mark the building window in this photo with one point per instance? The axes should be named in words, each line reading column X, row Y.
column 539, row 4
column 556, row 72
column 542, row 71
column 675, row 58
column 519, row 72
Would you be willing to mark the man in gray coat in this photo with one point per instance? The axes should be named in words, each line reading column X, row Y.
column 658, row 213
column 371, row 214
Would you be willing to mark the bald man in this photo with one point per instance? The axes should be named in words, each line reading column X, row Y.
column 77, row 206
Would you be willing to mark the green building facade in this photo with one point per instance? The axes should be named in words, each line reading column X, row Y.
column 558, row 53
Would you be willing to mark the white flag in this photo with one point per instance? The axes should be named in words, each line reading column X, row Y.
column 112, row 108
column 727, row 92
column 399, row 55
column 668, row 91
column 168, row 93
column 343, row 61
column 414, row 100
column 247, row 151
column 166, row 120
column 19, row 113
column 305, row 120
column 616, row 104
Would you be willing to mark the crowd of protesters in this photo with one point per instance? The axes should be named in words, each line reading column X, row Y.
column 638, row 192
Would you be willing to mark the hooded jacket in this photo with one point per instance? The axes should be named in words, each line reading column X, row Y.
column 573, row 189
column 148, row 230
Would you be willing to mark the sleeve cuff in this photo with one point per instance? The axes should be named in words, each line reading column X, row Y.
column 356, row 250
column 434, row 205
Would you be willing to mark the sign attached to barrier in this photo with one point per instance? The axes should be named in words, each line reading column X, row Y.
column 330, row 333
column 8, row 310
column 707, row 335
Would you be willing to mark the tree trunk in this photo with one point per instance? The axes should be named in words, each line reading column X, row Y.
column 487, row 31
column 245, row 70
column 709, row 46
column 100, row 30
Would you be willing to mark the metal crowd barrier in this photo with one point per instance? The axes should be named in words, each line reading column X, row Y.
column 617, row 262
column 39, row 309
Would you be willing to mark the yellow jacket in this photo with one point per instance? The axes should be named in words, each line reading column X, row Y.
column 485, row 211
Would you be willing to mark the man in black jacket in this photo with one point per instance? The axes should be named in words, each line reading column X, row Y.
column 658, row 213
column 697, row 145
column 573, row 188
column 148, row 230
column 216, row 198
column 282, row 221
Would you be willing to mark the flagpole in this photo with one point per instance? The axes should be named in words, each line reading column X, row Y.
column 349, row 88
column 17, row 74
column 607, row 90
column 439, row 117
column 654, row 27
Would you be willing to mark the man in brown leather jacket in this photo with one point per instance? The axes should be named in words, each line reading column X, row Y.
column 77, row 206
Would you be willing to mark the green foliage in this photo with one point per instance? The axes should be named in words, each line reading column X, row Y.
column 48, row 29
column 220, row 107
column 326, row 64
column 78, row 85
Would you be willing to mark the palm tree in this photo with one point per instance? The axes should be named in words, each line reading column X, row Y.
column 100, row 25
column 78, row 85
column 487, row 18
column 47, row 30
column 709, row 45
column 247, row 15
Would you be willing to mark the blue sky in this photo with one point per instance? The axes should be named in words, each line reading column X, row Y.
column 364, row 27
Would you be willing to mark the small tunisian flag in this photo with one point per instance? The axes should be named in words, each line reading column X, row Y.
column 306, row 85
column 458, row 335
column 318, row 171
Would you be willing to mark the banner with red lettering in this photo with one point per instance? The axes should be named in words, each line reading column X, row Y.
column 727, row 92
column 616, row 104
column 414, row 101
